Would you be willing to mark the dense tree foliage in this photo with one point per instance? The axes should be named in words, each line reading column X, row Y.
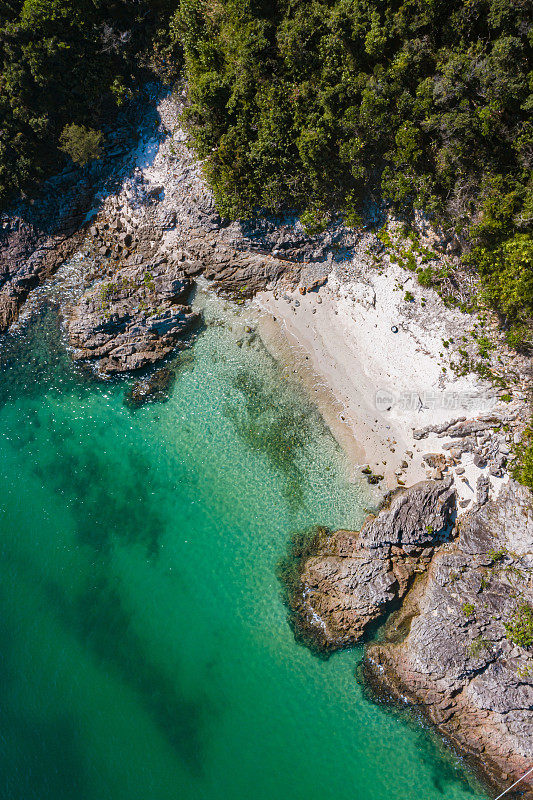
column 303, row 104
column 64, row 62
column 313, row 103
column 80, row 143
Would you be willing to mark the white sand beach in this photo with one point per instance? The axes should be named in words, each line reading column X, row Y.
column 375, row 384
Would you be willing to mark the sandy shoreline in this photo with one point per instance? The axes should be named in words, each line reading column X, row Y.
column 374, row 386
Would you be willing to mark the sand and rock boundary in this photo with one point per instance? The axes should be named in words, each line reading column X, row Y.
column 419, row 395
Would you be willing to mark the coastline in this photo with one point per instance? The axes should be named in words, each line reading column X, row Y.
column 375, row 351
column 343, row 352
column 372, row 386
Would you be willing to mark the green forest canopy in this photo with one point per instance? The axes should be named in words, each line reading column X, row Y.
column 426, row 103
column 305, row 104
column 64, row 62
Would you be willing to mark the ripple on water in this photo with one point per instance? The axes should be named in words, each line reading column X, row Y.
column 145, row 651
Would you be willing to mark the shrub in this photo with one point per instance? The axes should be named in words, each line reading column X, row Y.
column 352, row 216
column 518, row 337
column 519, row 629
column 314, row 221
column 484, row 346
column 497, row 555
column 468, row 609
column 478, row 646
column 80, row 143
column 426, row 277
column 523, row 468
column 385, row 237
column 507, row 276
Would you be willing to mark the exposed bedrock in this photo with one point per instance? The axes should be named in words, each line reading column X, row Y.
column 459, row 643
column 38, row 235
column 143, row 204
column 451, row 650
column 339, row 583
column 31, row 251
column 133, row 320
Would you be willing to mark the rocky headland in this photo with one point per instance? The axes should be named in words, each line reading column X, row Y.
column 457, row 644
column 458, row 647
column 340, row 582
column 413, row 390
column 133, row 320
column 143, row 217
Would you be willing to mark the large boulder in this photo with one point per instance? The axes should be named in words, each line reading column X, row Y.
column 451, row 648
column 339, row 583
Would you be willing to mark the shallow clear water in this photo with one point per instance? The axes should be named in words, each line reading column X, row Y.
column 144, row 648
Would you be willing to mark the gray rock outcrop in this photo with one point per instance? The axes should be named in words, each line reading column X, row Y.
column 459, row 645
column 133, row 321
column 344, row 581
column 457, row 659
column 37, row 236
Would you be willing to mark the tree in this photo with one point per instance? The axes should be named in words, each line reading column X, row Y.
column 80, row 143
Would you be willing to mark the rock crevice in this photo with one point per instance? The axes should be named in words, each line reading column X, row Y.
column 448, row 648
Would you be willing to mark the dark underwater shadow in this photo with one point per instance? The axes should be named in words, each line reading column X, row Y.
column 44, row 761
column 100, row 621
column 39, row 759
column 96, row 618
column 110, row 498
column 272, row 423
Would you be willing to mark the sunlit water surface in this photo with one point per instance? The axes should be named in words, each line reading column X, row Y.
column 144, row 648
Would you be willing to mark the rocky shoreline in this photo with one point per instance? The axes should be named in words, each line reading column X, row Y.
column 143, row 218
column 452, row 648
column 145, row 224
column 38, row 235
column 345, row 581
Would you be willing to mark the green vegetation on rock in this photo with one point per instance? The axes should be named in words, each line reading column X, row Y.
column 523, row 470
column 519, row 629
column 468, row 609
column 478, row 646
column 80, row 143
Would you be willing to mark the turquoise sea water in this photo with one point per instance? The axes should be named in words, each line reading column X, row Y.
column 144, row 649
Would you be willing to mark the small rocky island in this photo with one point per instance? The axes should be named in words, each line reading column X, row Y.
column 458, row 594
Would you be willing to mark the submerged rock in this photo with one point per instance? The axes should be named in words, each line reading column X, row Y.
column 152, row 389
column 339, row 583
